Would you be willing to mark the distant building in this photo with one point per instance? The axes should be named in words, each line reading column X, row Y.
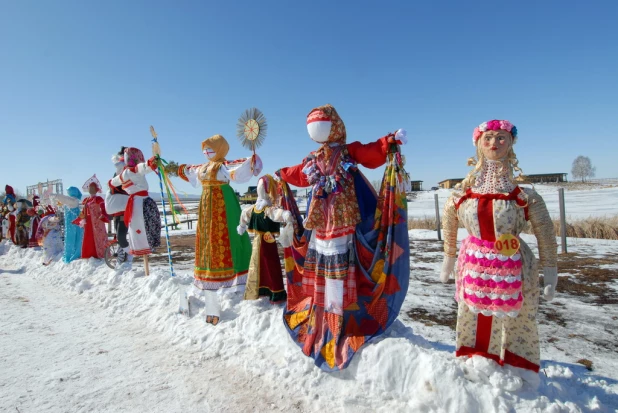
column 416, row 185
column 533, row 178
column 45, row 189
column 545, row 178
column 250, row 196
column 449, row 183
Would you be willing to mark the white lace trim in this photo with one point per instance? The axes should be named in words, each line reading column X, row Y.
column 493, row 181
column 497, row 278
column 493, row 296
column 492, row 256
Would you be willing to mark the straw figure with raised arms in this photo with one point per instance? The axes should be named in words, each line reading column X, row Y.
column 348, row 273
column 497, row 278
column 221, row 254
column 141, row 214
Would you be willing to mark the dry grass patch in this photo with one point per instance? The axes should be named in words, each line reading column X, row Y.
column 552, row 317
column 598, row 228
column 588, row 280
column 442, row 318
column 587, row 363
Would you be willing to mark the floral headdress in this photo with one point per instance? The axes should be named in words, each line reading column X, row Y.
column 494, row 125
column 133, row 156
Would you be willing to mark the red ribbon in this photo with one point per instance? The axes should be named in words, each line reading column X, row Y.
column 128, row 212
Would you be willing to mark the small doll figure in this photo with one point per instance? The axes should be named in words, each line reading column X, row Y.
column 52, row 238
column 265, row 277
column 22, row 224
column 73, row 234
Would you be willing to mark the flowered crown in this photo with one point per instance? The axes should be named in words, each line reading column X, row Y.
column 494, row 125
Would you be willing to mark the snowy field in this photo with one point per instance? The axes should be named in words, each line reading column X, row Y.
column 599, row 201
column 595, row 201
column 79, row 337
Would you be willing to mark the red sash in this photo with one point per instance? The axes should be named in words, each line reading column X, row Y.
column 128, row 213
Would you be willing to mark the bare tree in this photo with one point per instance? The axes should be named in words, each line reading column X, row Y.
column 582, row 168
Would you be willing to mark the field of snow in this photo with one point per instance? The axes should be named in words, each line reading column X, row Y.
column 598, row 201
column 80, row 337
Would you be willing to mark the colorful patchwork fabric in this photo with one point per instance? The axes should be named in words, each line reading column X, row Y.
column 374, row 286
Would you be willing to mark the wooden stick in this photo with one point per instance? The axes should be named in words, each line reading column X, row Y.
column 435, row 196
column 146, row 269
column 563, row 237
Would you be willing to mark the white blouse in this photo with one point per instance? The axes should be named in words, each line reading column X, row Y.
column 240, row 171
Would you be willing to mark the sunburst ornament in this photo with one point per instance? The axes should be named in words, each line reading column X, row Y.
column 251, row 128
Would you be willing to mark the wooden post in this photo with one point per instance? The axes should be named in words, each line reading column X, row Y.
column 438, row 218
column 146, row 269
column 563, row 230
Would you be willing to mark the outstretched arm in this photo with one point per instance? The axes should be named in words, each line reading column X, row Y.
column 543, row 229
column 293, row 175
column 373, row 155
column 189, row 173
column 241, row 170
column 104, row 217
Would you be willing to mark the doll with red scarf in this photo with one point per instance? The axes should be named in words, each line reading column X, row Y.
column 141, row 215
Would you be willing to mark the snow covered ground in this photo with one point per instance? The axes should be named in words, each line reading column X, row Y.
column 598, row 201
column 79, row 337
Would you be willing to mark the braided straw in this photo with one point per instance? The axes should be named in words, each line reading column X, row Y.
column 543, row 229
column 450, row 225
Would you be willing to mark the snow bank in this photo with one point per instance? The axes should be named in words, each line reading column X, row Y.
column 399, row 372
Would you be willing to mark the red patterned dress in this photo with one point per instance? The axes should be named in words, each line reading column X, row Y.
column 95, row 233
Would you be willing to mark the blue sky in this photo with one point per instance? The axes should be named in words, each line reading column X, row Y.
column 78, row 79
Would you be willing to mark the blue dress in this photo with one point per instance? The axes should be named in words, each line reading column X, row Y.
column 73, row 234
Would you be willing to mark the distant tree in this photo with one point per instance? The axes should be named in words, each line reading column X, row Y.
column 582, row 168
